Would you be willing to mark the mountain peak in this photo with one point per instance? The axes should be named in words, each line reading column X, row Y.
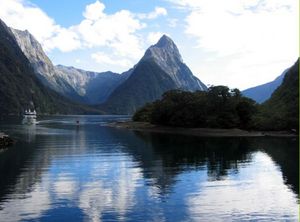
column 166, row 55
column 164, row 50
column 164, row 41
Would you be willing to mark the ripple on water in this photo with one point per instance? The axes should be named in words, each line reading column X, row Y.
column 96, row 173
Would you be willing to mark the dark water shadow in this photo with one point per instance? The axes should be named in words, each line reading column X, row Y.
column 221, row 156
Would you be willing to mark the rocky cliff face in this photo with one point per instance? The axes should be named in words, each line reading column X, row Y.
column 166, row 54
column 20, row 88
column 43, row 67
column 76, row 84
column 161, row 69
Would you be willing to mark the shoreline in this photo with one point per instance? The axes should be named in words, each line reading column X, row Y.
column 199, row 132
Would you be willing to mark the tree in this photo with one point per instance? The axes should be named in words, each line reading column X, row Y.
column 219, row 107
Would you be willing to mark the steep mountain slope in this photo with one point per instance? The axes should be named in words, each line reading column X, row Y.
column 166, row 54
column 43, row 67
column 20, row 88
column 281, row 111
column 146, row 84
column 76, row 84
column 263, row 92
column 161, row 69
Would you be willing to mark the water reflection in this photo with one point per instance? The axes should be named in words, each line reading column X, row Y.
column 97, row 173
column 253, row 193
column 219, row 156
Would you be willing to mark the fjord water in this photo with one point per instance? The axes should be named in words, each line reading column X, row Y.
column 61, row 171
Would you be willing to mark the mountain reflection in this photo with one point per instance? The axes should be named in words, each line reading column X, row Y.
column 98, row 173
column 221, row 156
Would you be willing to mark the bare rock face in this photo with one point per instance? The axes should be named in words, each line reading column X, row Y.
column 43, row 67
column 76, row 84
column 34, row 51
column 166, row 54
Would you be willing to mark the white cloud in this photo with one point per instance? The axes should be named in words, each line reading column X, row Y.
column 255, row 38
column 102, row 58
column 64, row 39
column 229, row 31
column 117, row 31
column 21, row 15
column 94, row 11
column 158, row 11
column 153, row 37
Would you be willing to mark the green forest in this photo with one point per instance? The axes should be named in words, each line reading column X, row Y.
column 221, row 107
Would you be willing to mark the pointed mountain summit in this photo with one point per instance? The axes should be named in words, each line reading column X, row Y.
column 166, row 54
column 165, row 49
column 161, row 69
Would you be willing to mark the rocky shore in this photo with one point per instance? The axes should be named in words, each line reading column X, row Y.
column 201, row 132
column 5, row 141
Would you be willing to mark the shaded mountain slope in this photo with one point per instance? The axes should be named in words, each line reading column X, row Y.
column 151, row 82
column 263, row 92
column 281, row 111
column 20, row 88
column 42, row 65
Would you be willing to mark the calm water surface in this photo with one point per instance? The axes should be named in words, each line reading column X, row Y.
column 58, row 171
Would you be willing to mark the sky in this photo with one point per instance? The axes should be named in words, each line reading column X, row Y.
column 238, row 43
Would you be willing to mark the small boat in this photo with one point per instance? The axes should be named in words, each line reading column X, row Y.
column 29, row 117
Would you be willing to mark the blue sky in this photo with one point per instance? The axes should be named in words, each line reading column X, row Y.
column 236, row 43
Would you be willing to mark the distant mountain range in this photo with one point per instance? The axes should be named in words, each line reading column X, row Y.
column 76, row 84
column 161, row 69
column 27, row 77
column 263, row 92
column 92, row 87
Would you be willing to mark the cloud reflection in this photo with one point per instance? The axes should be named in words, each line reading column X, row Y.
column 25, row 207
column 65, row 187
column 111, row 192
column 258, row 192
column 94, row 199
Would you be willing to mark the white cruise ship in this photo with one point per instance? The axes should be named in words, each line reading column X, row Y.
column 29, row 117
